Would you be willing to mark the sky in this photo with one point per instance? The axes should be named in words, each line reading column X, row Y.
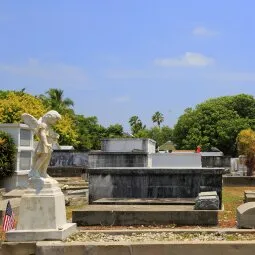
column 119, row 58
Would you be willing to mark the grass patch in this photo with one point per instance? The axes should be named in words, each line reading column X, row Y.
column 232, row 197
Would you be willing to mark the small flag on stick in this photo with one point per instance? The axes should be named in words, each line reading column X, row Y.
column 8, row 222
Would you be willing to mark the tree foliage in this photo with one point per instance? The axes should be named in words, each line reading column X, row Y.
column 14, row 103
column 246, row 146
column 54, row 100
column 7, row 152
column 90, row 132
column 136, row 125
column 158, row 118
column 160, row 135
column 215, row 122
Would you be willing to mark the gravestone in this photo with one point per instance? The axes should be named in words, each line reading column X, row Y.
column 246, row 215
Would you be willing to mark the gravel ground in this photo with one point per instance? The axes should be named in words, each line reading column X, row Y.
column 162, row 236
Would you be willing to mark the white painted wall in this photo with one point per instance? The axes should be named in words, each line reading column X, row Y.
column 128, row 145
column 20, row 177
column 180, row 159
column 14, row 131
column 212, row 154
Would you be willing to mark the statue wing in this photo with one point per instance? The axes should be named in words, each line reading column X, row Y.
column 30, row 120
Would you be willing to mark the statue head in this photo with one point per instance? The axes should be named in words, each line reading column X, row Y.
column 51, row 117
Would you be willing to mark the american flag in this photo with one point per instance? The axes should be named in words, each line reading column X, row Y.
column 8, row 222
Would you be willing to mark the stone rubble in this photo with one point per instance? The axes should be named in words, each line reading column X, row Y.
column 159, row 236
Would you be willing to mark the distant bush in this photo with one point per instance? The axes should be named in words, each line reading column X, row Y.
column 7, row 155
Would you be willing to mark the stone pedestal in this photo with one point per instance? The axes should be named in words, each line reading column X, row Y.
column 42, row 214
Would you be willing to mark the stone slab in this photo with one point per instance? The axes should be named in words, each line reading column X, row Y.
column 207, row 203
column 148, row 248
column 17, row 248
column 246, row 215
column 249, row 198
column 249, row 192
column 239, row 181
column 208, row 193
column 145, row 201
column 156, row 170
column 14, row 193
column 41, row 235
column 77, row 192
column 124, row 215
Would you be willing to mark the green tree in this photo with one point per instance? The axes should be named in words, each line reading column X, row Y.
column 54, row 99
column 215, row 123
column 158, row 118
column 136, row 124
column 90, row 132
column 14, row 103
column 8, row 153
column 160, row 135
column 114, row 131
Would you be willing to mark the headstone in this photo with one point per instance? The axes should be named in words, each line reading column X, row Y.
column 249, row 196
column 207, row 201
column 245, row 215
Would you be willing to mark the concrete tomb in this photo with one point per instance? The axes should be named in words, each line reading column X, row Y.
column 22, row 135
column 150, row 181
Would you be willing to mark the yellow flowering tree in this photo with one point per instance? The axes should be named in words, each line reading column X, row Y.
column 67, row 130
column 246, row 146
column 14, row 103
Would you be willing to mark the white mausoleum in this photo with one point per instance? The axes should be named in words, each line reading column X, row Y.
column 24, row 138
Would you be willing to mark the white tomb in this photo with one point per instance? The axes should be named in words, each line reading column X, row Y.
column 128, row 145
column 176, row 159
column 23, row 138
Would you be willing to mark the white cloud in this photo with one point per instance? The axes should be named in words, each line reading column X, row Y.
column 202, row 31
column 122, row 99
column 52, row 72
column 189, row 59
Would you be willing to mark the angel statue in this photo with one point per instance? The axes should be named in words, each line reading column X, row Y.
column 47, row 137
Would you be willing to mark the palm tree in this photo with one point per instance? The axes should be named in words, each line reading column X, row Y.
column 136, row 124
column 55, row 100
column 158, row 118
